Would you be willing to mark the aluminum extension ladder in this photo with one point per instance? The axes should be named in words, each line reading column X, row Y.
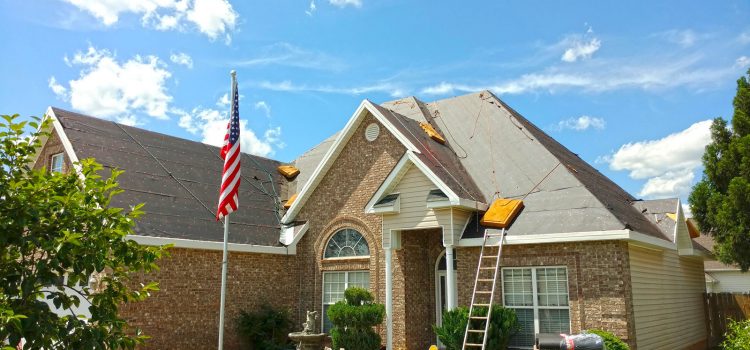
column 481, row 290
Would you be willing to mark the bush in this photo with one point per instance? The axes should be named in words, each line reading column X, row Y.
column 611, row 342
column 503, row 325
column 353, row 319
column 266, row 329
column 737, row 336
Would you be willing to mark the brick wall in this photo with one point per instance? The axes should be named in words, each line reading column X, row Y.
column 51, row 147
column 598, row 280
column 184, row 314
column 338, row 202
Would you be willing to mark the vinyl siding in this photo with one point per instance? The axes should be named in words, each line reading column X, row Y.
column 730, row 282
column 667, row 298
column 414, row 213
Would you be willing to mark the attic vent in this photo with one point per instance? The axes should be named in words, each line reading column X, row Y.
column 431, row 132
column 372, row 132
column 436, row 195
column 388, row 200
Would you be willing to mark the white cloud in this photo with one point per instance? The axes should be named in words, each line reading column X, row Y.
column 211, row 17
column 345, row 3
column 668, row 164
column 182, row 58
column 393, row 90
column 223, row 100
column 285, row 54
column 605, row 75
column 211, row 125
column 581, row 50
column 744, row 38
column 742, row 62
column 685, row 38
column 311, row 9
column 110, row 89
column 581, row 123
column 58, row 89
column 263, row 106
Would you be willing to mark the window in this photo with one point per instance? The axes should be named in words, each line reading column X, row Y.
column 56, row 163
column 334, row 285
column 345, row 244
column 539, row 295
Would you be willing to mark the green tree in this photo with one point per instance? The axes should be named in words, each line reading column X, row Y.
column 353, row 319
column 720, row 202
column 60, row 227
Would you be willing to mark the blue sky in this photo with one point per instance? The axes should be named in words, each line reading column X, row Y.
column 626, row 85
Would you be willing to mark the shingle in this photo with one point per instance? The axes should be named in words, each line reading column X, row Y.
column 180, row 202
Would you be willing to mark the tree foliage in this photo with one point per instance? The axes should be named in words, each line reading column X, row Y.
column 720, row 202
column 503, row 325
column 56, row 232
column 353, row 319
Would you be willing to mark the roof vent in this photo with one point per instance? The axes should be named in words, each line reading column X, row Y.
column 388, row 200
column 431, row 132
column 436, row 195
column 502, row 212
column 289, row 171
column 372, row 132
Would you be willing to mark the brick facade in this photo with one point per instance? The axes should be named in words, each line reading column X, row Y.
column 51, row 147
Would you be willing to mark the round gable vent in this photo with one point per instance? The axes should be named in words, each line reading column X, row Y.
column 372, row 132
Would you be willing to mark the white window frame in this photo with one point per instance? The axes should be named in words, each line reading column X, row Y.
column 534, row 293
column 346, row 257
column 60, row 155
column 346, row 285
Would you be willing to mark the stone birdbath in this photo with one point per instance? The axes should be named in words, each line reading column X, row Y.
column 307, row 340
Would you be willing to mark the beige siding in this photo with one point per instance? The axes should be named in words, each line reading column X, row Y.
column 414, row 214
column 730, row 282
column 667, row 298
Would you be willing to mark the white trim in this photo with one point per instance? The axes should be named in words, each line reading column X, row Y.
column 65, row 142
column 332, row 153
column 346, row 285
column 288, row 237
column 209, row 245
column 403, row 165
column 61, row 155
column 573, row 237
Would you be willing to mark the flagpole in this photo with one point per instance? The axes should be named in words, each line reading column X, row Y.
column 224, row 262
column 223, row 283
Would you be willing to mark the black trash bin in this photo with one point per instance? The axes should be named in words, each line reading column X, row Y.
column 584, row 341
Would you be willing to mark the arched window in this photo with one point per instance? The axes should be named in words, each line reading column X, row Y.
column 346, row 243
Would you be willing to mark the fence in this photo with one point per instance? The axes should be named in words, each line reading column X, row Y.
column 720, row 307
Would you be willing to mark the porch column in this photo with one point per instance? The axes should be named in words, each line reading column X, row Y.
column 389, row 298
column 450, row 279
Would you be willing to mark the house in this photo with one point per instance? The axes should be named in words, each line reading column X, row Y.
column 385, row 204
column 720, row 277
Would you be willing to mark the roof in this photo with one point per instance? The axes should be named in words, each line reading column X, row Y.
column 178, row 180
column 496, row 153
column 707, row 242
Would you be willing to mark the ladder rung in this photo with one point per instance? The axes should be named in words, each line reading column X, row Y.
column 478, row 317
column 478, row 304
column 476, row 331
column 484, row 292
column 485, row 279
column 487, row 268
column 489, row 256
column 475, row 345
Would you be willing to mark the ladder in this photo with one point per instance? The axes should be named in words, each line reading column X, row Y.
column 484, row 289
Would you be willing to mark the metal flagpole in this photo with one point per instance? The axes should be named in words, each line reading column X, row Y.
column 223, row 283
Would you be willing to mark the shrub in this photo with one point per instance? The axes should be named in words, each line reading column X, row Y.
column 503, row 324
column 353, row 319
column 266, row 329
column 611, row 342
column 737, row 336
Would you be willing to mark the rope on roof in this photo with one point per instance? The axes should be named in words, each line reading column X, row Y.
column 165, row 168
column 262, row 189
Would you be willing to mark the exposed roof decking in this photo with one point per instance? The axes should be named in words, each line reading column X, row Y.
column 171, row 210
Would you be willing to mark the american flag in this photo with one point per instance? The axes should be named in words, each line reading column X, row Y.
column 230, row 179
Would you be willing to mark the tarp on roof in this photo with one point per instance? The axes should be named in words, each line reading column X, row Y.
column 183, row 204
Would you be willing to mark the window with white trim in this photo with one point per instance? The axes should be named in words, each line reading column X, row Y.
column 56, row 163
column 334, row 285
column 539, row 295
column 347, row 243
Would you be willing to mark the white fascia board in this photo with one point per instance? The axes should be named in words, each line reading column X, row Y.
column 452, row 196
column 573, row 237
column 287, row 236
column 298, row 236
column 398, row 171
column 67, row 146
column 330, row 156
column 206, row 245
